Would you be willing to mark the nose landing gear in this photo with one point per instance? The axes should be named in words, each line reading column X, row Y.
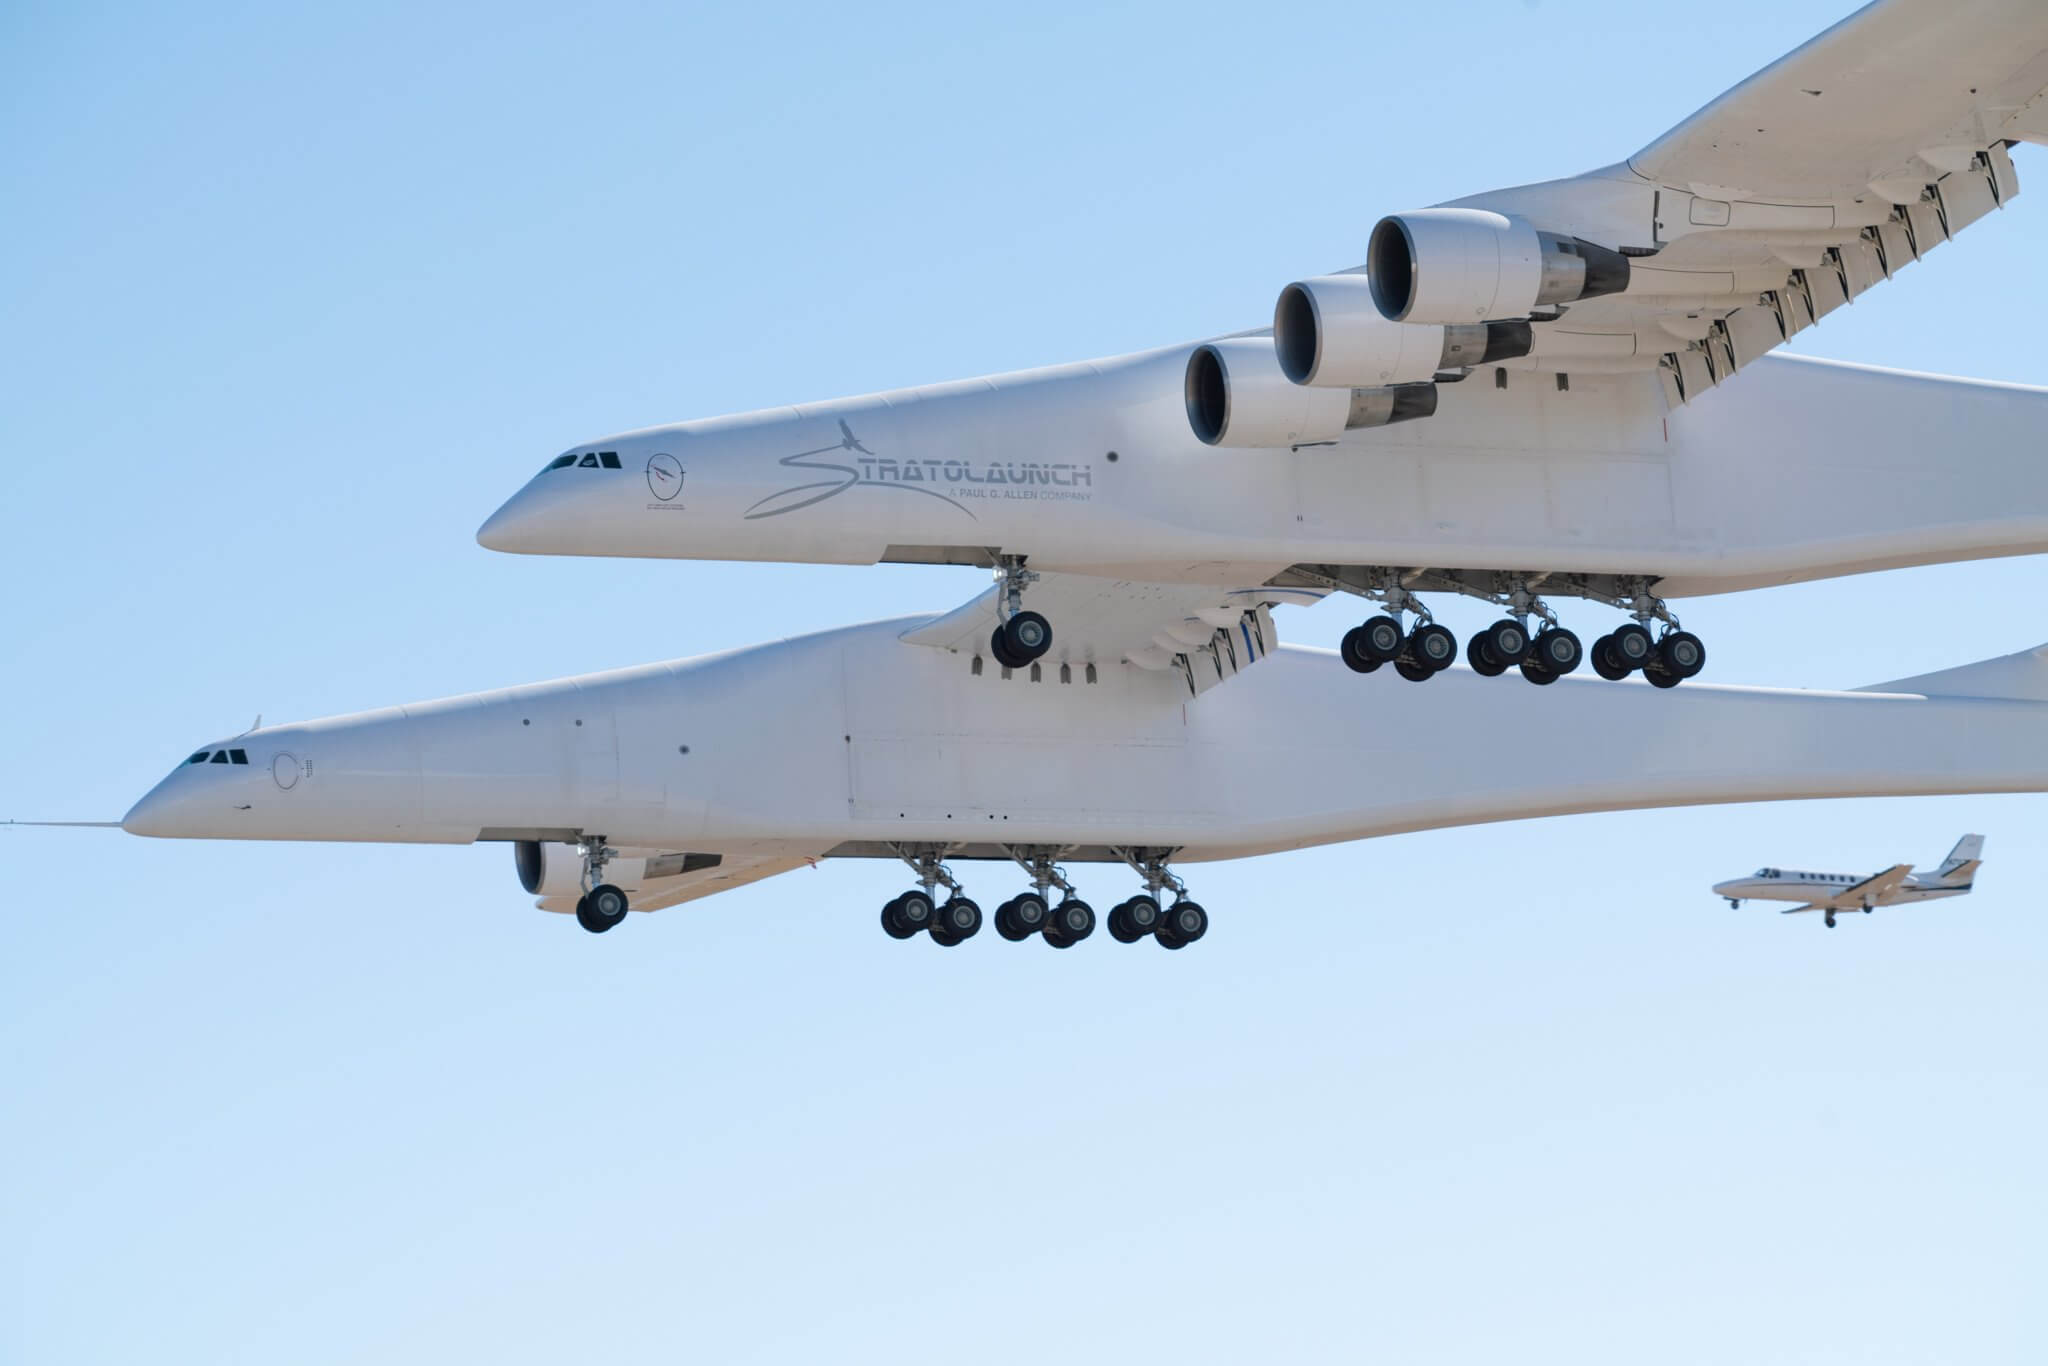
column 602, row 906
column 1020, row 637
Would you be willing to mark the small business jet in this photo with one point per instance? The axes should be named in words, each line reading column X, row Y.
column 1829, row 893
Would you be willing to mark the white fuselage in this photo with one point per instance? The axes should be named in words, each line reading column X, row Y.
column 850, row 741
column 1785, row 884
column 1791, row 470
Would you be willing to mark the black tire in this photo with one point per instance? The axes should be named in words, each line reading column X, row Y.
column 1482, row 659
column 891, row 926
column 913, row 911
column 1682, row 653
column 1433, row 647
column 1381, row 638
column 1056, row 939
column 1167, row 938
column 1187, row 921
column 943, row 937
column 1537, row 674
column 603, row 908
column 1074, row 919
column 1632, row 645
column 1508, row 641
column 960, row 917
column 1604, row 662
column 1000, row 649
column 1558, row 650
column 1414, row 673
column 1006, row 925
column 1143, row 915
column 1029, row 913
column 1119, row 928
column 1028, row 635
column 1354, row 658
column 1657, row 676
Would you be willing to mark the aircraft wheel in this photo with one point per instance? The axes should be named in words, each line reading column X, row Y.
column 1414, row 673
column 1604, row 662
column 1380, row 638
column 1072, row 920
column 1660, row 677
column 1353, row 652
column 1508, row 641
column 999, row 646
column 1537, row 674
column 1481, row 657
column 1021, row 916
column 1028, row 635
column 1433, row 647
column 1829, row 920
column 601, row 909
column 1558, row 649
column 1631, row 646
column 1682, row 654
column 1183, row 923
column 908, row 914
column 957, row 920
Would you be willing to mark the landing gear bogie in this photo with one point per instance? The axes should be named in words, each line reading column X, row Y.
column 602, row 908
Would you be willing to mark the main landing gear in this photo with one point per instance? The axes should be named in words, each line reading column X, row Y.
column 602, row 905
column 952, row 921
column 1061, row 920
column 1020, row 637
column 1529, row 639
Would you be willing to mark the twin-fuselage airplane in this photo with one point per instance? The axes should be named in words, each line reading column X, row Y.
column 1829, row 893
column 1552, row 392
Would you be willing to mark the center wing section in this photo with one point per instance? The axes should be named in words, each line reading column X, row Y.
column 1203, row 634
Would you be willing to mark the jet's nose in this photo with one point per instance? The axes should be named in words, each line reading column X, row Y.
column 162, row 813
column 517, row 527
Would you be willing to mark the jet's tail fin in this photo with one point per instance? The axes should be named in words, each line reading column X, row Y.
column 1961, row 863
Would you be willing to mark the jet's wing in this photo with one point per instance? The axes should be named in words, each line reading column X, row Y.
column 1203, row 634
column 659, row 893
column 1871, row 890
column 1816, row 178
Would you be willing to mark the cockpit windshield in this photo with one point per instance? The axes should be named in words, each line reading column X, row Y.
column 220, row 756
column 595, row 460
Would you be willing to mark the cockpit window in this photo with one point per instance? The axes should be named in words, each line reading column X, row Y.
column 201, row 757
column 239, row 756
column 589, row 460
column 220, row 756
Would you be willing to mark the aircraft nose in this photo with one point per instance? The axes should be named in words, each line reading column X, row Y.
column 516, row 527
column 161, row 813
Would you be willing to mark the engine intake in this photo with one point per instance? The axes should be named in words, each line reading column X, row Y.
column 1329, row 331
column 1238, row 397
column 1474, row 265
column 550, row 869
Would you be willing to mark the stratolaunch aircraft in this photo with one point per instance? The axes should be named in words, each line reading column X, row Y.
column 1586, row 434
column 1558, row 390
column 1832, row 892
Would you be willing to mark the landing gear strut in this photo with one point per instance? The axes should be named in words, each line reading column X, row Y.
column 1417, row 655
column 950, row 922
column 1062, row 925
column 1020, row 637
column 1666, row 661
column 602, row 905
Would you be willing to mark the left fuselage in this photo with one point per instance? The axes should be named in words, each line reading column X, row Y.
column 1784, row 884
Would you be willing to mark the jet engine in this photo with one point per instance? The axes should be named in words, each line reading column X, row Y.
column 1329, row 331
column 547, row 868
column 1237, row 396
column 1473, row 265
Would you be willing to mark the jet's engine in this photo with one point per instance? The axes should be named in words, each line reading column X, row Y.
column 1474, row 265
column 1237, row 396
column 1328, row 331
column 547, row 868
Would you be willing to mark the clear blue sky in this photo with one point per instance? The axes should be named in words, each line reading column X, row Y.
column 293, row 299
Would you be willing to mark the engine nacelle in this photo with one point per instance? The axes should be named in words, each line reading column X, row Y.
column 547, row 868
column 1329, row 331
column 1474, row 265
column 1237, row 396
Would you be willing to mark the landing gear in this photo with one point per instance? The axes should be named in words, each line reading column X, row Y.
column 1020, row 637
column 1072, row 921
column 950, row 922
column 1665, row 661
column 1130, row 921
column 1185, row 922
column 1022, row 916
column 1417, row 655
column 602, row 906
column 1829, row 919
column 1177, row 926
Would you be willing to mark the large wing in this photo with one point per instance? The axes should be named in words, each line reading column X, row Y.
column 1871, row 890
column 1202, row 633
column 1797, row 190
